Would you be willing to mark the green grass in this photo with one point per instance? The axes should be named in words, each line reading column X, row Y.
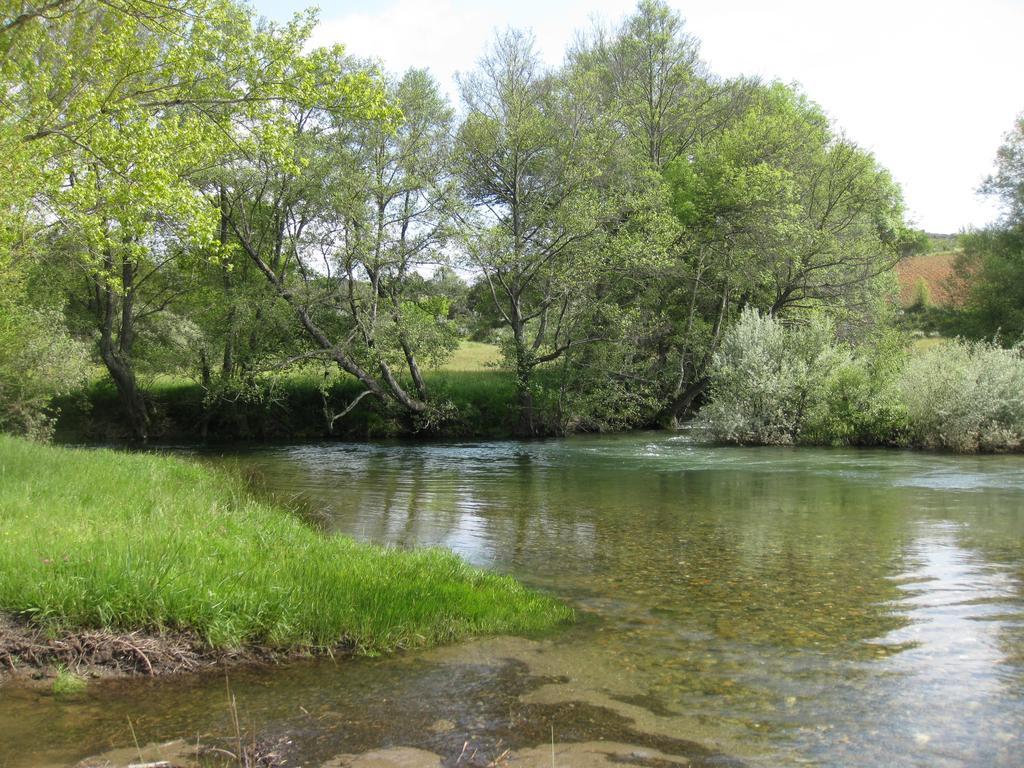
column 473, row 356
column 926, row 343
column 106, row 540
column 67, row 682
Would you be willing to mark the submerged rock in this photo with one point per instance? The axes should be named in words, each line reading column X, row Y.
column 394, row 757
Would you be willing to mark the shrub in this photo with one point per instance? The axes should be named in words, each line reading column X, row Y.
column 38, row 362
column 965, row 396
column 770, row 380
column 862, row 400
column 922, row 296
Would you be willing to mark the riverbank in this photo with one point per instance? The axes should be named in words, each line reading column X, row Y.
column 158, row 552
column 296, row 406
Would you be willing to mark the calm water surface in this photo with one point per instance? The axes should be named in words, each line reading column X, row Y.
column 763, row 606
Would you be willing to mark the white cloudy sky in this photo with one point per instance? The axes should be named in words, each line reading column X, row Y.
column 929, row 87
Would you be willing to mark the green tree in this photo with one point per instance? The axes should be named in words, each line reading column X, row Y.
column 780, row 214
column 648, row 76
column 922, row 297
column 535, row 163
column 128, row 106
column 990, row 271
column 339, row 224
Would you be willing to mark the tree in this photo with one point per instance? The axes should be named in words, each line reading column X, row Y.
column 96, row 99
column 122, row 105
column 990, row 271
column 647, row 74
column 396, row 219
column 781, row 215
column 340, row 222
column 130, row 106
column 533, row 164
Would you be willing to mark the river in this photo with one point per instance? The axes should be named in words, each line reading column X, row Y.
column 755, row 606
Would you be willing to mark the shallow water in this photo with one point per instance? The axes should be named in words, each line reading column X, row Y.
column 775, row 606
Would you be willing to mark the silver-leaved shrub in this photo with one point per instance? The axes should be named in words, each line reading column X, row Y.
column 770, row 380
column 966, row 397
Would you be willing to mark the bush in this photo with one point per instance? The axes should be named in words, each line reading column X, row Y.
column 773, row 384
column 779, row 384
column 862, row 401
column 39, row 361
column 770, row 380
column 965, row 396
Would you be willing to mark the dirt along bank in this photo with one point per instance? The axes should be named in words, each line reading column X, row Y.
column 35, row 654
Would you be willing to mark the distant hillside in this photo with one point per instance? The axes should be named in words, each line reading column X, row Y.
column 941, row 242
column 936, row 269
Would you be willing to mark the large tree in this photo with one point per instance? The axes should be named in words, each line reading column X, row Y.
column 990, row 272
column 340, row 223
column 128, row 107
column 536, row 163
column 648, row 77
column 781, row 214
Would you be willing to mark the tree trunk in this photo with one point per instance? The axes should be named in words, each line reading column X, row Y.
column 116, row 353
column 682, row 404
column 122, row 373
column 524, row 393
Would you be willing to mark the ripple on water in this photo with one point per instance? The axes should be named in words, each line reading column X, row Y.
column 837, row 607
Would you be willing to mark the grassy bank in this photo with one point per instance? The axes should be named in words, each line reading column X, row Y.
column 477, row 398
column 294, row 406
column 95, row 539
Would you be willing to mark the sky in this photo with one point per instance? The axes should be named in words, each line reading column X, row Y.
column 930, row 88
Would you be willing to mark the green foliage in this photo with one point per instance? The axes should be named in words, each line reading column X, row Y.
column 541, row 169
column 990, row 271
column 778, row 384
column 39, row 360
column 749, row 195
column 965, row 396
column 862, row 404
column 778, row 211
column 922, row 296
column 483, row 402
column 915, row 242
column 237, row 202
column 770, row 380
column 1007, row 183
column 164, row 544
column 67, row 683
column 300, row 405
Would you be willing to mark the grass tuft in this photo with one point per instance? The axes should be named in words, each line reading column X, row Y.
column 67, row 682
column 97, row 539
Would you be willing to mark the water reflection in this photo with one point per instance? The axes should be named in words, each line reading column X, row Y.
column 831, row 607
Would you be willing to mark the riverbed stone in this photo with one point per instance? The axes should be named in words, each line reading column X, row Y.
column 168, row 754
column 393, row 757
column 592, row 753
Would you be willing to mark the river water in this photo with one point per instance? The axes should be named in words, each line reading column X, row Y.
column 736, row 606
